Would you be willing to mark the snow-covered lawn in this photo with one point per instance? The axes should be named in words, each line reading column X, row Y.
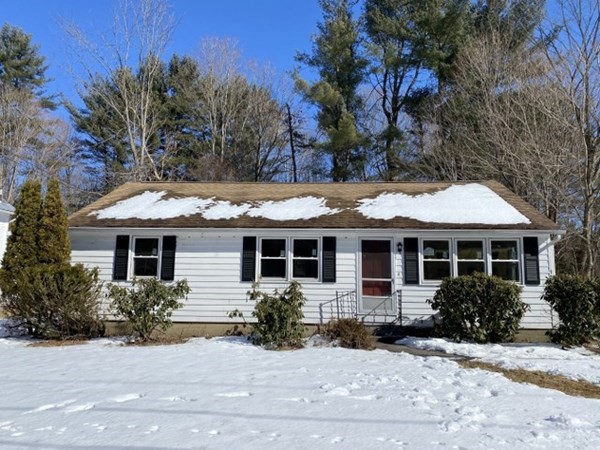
column 577, row 364
column 225, row 393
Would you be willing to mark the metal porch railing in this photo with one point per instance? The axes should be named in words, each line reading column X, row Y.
column 343, row 306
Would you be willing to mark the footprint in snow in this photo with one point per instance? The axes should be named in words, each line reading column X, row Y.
column 126, row 398
column 152, row 429
column 214, row 433
column 366, row 397
column 234, row 394
column 48, row 428
column 297, row 400
column 177, row 398
column 337, row 440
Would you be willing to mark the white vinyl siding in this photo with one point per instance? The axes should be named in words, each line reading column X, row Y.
column 210, row 260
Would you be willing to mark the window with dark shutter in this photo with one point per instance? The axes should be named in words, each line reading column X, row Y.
column 329, row 269
column 532, row 262
column 121, row 258
column 411, row 261
column 167, row 265
column 249, row 258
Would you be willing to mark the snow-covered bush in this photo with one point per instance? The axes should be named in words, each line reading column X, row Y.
column 56, row 301
column 279, row 317
column 148, row 304
column 577, row 302
column 350, row 333
column 478, row 307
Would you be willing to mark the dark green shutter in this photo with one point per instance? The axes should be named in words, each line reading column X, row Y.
column 411, row 260
column 167, row 264
column 249, row 258
column 121, row 258
column 532, row 260
column 329, row 248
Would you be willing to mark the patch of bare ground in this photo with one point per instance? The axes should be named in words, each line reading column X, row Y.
column 166, row 340
column 58, row 343
column 577, row 388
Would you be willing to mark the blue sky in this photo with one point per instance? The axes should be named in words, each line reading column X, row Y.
column 267, row 30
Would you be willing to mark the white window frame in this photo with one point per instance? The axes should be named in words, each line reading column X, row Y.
column 317, row 258
column 517, row 260
column 487, row 248
column 422, row 260
column 285, row 258
column 484, row 257
column 132, row 257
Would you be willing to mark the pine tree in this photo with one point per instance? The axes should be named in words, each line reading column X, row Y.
column 22, row 67
column 22, row 248
column 341, row 70
column 53, row 236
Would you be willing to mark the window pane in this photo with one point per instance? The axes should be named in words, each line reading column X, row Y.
column 469, row 249
column 376, row 259
column 436, row 250
column 306, row 268
column 504, row 250
column 274, row 248
column 506, row 270
column 436, row 270
column 146, row 247
column 305, row 248
column 377, row 288
column 468, row 268
column 145, row 267
column 272, row 268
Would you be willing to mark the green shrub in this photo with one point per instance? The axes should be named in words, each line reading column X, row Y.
column 478, row 307
column 56, row 301
column 279, row 317
column 148, row 305
column 350, row 333
column 577, row 302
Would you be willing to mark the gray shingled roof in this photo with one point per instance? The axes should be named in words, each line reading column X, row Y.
column 342, row 197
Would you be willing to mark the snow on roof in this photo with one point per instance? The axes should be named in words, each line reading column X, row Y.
column 292, row 209
column 150, row 205
column 469, row 203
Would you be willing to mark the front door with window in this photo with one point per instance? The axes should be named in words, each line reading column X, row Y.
column 376, row 284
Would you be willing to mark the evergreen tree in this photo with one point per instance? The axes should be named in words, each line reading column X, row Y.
column 22, row 249
column 53, row 236
column 21, row 65
column 341, row 69
column 405, row 39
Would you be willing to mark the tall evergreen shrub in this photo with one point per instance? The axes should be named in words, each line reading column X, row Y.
column 22, row 248
column 53, row 235
column 40, row 289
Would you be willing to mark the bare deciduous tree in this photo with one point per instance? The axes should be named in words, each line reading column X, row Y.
column 576, row 59
column 138, row 38
column 505, row 120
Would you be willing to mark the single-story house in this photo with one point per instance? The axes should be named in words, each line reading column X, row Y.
column 374, row 250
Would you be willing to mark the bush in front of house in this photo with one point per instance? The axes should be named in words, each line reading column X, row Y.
column 349, row 333
column 41, row 291
column 148, row 305
column 478, row 307
column 56, row 301
column 577, row 302
column 278, row 317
